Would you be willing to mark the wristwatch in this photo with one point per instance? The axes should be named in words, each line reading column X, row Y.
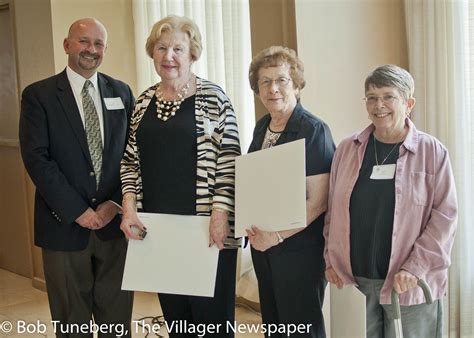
column 280, row 238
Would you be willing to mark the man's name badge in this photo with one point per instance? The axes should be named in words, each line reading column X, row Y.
column 383, row 172
column 113, row 103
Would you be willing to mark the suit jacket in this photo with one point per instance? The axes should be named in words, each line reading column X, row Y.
column 56, row 155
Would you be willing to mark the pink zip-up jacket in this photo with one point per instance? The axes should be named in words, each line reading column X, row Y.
column 424, row 222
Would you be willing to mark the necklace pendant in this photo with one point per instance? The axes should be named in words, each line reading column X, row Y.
column 167, row 108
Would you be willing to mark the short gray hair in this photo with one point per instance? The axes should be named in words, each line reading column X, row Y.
column 391, row 76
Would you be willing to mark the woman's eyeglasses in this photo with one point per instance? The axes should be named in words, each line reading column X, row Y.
column 281, row 82
column 372, row 100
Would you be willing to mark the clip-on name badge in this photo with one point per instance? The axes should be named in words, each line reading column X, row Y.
column 383, row 172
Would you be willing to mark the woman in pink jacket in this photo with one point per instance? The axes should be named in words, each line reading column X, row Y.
column 392, row 210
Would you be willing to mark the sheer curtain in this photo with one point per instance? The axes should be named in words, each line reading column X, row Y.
column 225, row 29
column 441, row 46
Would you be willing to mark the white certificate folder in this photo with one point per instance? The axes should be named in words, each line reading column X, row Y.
column 174, row 257
column 348, row 312
column 270, row 189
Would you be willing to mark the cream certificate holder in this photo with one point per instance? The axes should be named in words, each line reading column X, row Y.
column 270, row 189
column 347, row 312
column 174, row 257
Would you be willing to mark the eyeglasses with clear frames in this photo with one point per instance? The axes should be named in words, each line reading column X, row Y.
column 372, row 100
column 281, row 82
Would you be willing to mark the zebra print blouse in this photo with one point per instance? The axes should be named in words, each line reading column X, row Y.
column 217, row 146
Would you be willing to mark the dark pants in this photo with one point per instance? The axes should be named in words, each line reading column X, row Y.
column 291, row 285
column 210, row 311
column 85, row 284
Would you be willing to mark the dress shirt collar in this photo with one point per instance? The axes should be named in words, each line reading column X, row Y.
column 77, row 81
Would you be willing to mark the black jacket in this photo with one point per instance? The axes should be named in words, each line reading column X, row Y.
column 56, row 155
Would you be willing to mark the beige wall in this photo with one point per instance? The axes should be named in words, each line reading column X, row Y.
column 8, row 89
column 263, row 34
column 116, row 15
column 33, row 40
column 15, row 241
column 31, row 50
column 340, row 41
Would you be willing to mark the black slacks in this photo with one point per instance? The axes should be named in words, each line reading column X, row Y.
column 209, row 311
column 291, row 284
column 86, row 284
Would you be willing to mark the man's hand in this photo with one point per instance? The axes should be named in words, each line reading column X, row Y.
column 106, row 212
column 89, row 220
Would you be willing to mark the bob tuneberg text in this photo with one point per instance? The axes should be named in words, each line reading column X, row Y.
column 183, row 327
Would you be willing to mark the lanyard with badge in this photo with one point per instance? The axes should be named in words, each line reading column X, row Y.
column 383, row 171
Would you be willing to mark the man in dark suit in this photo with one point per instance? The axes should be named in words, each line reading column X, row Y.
column 73, row 128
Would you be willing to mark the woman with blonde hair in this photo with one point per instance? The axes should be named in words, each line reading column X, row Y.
column 180, row 160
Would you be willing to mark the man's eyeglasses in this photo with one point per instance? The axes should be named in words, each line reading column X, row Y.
column 281, row 82
column 372, row 100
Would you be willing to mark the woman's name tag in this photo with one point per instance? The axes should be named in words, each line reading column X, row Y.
column 383, row 172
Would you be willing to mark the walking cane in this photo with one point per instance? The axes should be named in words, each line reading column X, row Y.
column 396, row 306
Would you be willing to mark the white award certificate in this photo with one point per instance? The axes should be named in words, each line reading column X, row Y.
column 270, row 189
column 174, row 257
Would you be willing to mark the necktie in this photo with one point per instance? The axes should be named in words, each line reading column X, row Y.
column 92, row 127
